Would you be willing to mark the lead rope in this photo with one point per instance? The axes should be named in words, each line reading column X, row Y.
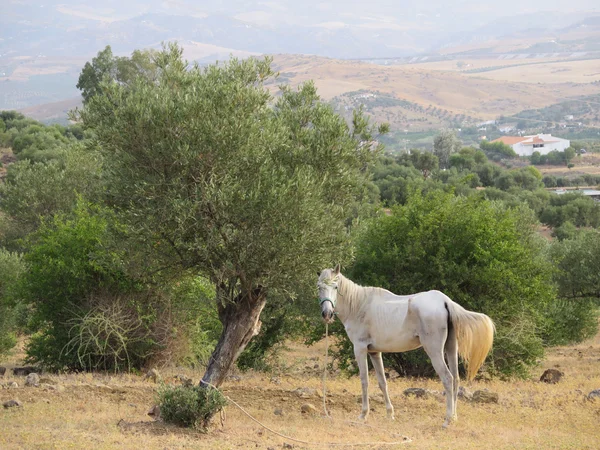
column 325, row 370
column 406, row 440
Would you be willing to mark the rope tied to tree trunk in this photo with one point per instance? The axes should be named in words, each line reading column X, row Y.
column 405, row 440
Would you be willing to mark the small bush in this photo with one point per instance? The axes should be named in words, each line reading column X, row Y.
column 189, row 406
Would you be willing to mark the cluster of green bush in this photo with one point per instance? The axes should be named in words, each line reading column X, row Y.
column 139, row 240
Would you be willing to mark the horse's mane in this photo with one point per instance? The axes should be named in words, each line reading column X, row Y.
column 354, row 296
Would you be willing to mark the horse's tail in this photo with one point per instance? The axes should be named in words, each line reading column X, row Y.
column 475, row 335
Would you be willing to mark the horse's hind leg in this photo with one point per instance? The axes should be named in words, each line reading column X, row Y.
column 451, row 349
column 433, row 343
column 378, row 366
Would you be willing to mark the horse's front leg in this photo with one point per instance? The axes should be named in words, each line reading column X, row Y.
column 379, row 370
column 360, row 353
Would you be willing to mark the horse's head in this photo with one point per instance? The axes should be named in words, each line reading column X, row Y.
column 328, row 285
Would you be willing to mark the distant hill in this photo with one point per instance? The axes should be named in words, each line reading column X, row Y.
column 55, row 112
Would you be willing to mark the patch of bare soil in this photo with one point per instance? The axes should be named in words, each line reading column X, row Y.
column 110, row 411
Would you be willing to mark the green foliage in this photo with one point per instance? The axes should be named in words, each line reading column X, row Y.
column 574, row 207
column 565, row 231
column 70, row 271
column 106, row 68
column 444, row 145
column 11, row 268
column 483, row 255
column 196, row 327
column 571, row 321
column 497, row 150
column 189, row 406
column 246, row 191
column 33, row 191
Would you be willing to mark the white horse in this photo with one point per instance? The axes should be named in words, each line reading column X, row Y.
column 376, row 321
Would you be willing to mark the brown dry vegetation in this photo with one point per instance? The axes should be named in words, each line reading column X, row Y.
column 459, row 93
column 584, row 164
column 104, row 411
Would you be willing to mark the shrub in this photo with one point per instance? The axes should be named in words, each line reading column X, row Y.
column 11, row 269
column 482, row 254
column 189, row 406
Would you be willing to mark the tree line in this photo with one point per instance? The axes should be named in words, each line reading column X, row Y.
column 184, row 215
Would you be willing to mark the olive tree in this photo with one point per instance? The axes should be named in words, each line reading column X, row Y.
column 218, row 176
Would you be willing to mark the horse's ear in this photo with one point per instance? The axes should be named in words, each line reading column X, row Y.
column 337, row 269
column 318, row 273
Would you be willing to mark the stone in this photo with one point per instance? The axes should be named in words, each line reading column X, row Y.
column 287, row 446
column 188, row 382
column 309, row 409
column 275, row 380
column 594, row 395
column 305, row 392
column 153, row 375
column 2, row 371
column 12, row 385
column 485, row 396
column 24, row 371
column 551, row 376
column 417, row 392
column 12, row 403
column 33, row 379
column 154, row 412
column 464, row 394
column 278, row 412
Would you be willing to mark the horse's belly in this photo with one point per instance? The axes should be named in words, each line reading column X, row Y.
column 395, row 344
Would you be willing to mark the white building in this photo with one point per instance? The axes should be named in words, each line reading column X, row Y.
column 526, row 145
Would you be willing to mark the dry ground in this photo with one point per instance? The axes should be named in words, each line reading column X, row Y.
column 103, row 411
column 588, row 163
column 473, row 94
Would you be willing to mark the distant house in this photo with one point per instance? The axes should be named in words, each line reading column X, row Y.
column 526, row 145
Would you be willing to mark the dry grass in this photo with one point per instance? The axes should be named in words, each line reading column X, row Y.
column 584, row 164
column 475, row 94
column 530, row 414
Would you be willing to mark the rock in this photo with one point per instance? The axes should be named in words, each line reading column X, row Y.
column 12, row 385
column 305, row 392
column 316, row 366
column 485, row 396
column 12, row 403
column 391, row 374
column 33, row 379
column 594, row 395
column 288, row 446
column 275, row 380
column 184, row 380
column 417, row 392
column 2, row 371
column 278, row 412
column 309, row 409
column 24, row 371
column 153, row 375
column 103, row 387
column 154, row 412
column 464, row 394
column 552, row 376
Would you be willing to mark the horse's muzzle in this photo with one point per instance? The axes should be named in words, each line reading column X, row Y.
column 327, row 316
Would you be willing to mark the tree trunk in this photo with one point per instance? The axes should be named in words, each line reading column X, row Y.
column 241, row 322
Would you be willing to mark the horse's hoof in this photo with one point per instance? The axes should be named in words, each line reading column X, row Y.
column 362, row 417
column 445, row 424
column 391, row 417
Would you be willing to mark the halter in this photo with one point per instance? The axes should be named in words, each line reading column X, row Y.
column 323, row 300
